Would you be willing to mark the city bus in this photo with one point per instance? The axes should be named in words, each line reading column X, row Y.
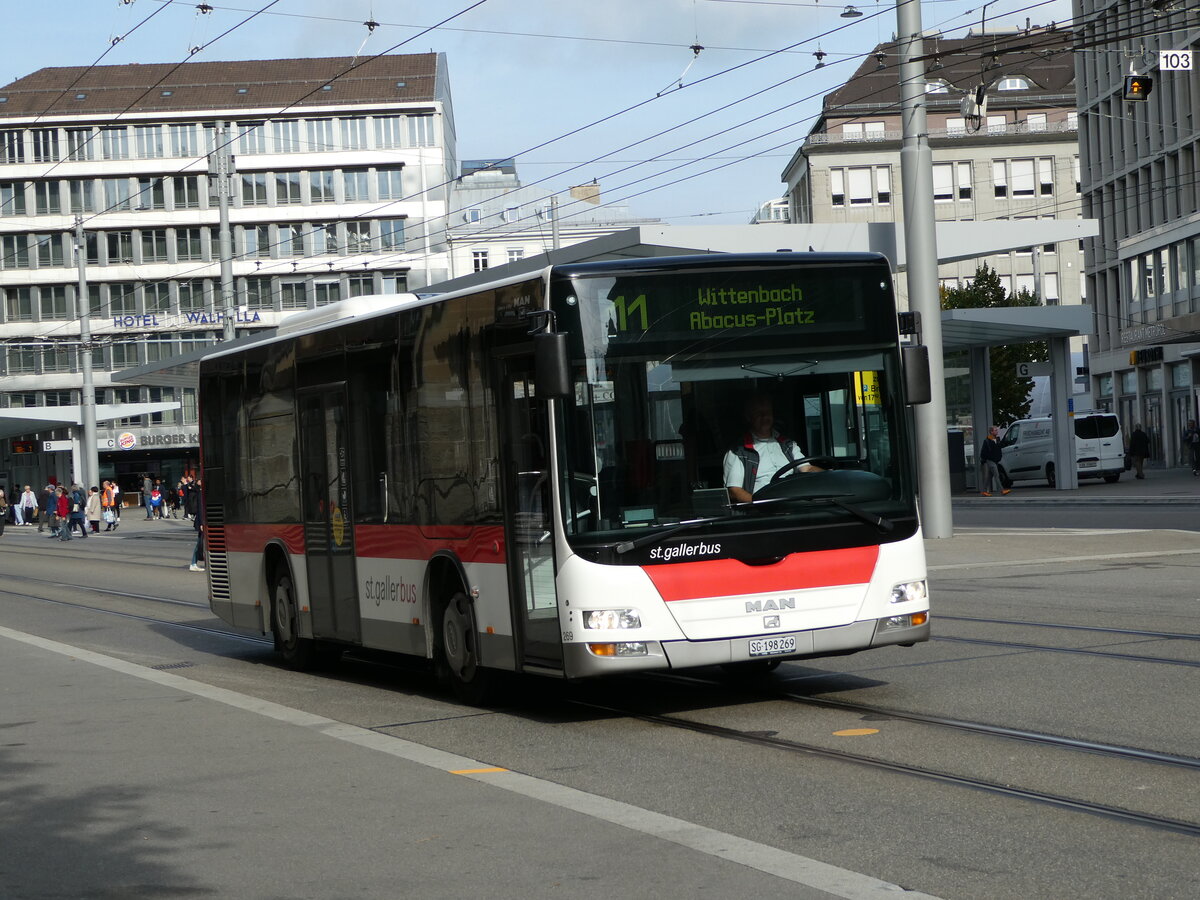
column 529, row 476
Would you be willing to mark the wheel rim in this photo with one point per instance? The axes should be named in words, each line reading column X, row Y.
column 285, row 619
column 456, row 639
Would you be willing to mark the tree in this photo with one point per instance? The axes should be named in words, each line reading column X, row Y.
column 1010, row 394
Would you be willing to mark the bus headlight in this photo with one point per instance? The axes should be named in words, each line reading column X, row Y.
column 611, row 618
column 910, row 591
column 637, row 648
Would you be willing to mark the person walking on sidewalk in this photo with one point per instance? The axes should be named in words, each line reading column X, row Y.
column 63, row 512
column 93, row 509
column 198, row 551
column 1139, row 449
column 1191, row 442
column 147, row 487
column 27, row 507
column 989, row 457
column 46, row 518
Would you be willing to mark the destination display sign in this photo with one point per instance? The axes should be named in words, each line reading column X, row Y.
column 785, row 302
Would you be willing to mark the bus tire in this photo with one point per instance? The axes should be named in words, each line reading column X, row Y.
column 459, row 653
column 297, row 652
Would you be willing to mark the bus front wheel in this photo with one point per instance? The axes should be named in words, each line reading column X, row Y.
column 297, row 652
column 470, row 682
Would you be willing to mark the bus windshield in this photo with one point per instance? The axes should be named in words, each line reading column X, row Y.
column 783, row 383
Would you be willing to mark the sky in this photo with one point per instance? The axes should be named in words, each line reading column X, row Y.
column 577, row 90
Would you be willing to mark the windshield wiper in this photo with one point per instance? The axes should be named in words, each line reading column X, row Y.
column 626, row 546
column 883, row 523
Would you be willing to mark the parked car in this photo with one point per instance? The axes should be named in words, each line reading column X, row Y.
column 1028, row 446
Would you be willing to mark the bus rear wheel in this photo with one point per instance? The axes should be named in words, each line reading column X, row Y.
column 297, row 652
column 459, row 661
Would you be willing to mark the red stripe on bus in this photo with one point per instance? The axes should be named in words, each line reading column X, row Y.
column 470, row 544
column 798, row 571
column 252, row 538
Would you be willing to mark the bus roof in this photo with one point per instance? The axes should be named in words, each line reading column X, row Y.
column 721, row 261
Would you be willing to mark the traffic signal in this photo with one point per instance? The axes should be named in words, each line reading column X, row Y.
column 1138, row 87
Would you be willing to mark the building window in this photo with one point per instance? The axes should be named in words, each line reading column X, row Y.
column 124, row 355
column 52, row 302
column 122, row 299
column 287, row 188
column 18, row 304
column 391, row 234
column 956, row 126
column 158, row 297
column 1000, row 178
column 354, row 134
column 189, row 244
column 148, row 140
column 16, row 251
column 291, row 240
column 45, row 144
column 12, row 147
column 320, row 134
column 187, row 191
column 388, row 131
column 287, row 136
column 997, row 124
column 1045, row 168
column 516, row 254
column 479, row 260
column 390, row 183
column 152, row 194
column 358, row 237
column 114, row 142
column 79, row 144
column 154, row 245
column 21, row 361
column 360, row 285
column 252, row 137
column 12, row 198
column 50, row 249
column 320, row 187
column 183, row 140
column 420, row 130
column 257, row 293
column 1021, row 178
column 1035, row 121
column 190, row 411
column 191, row 295
column 56, row 359
column 324, row 238
column 82, row 195
column 292, row 295
column 837, row 187
column 58, row 398
column 258, row 241
column 119, row 245
column 327, row 292
column 394, row 282
column 473, row 216
column 46, row 198
column 1014, row 83
column 356, row 185
column 116, row 194
column 254, row 189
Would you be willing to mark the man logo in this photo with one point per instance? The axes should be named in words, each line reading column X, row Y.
column 768, row 605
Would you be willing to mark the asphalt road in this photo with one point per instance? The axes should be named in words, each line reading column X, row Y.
column 145, row 752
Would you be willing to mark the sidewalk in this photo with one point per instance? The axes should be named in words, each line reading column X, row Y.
column 1174, row 486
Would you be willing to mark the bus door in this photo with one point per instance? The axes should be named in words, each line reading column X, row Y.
column 525, row 463
column 328, row 517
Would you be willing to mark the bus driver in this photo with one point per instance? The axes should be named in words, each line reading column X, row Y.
column 762, row 453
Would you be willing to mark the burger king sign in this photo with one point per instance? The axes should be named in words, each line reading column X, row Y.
column 127, row 440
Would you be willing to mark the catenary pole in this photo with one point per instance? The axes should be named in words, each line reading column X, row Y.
column 916, row 173
column 221, row 170
column 89, row 455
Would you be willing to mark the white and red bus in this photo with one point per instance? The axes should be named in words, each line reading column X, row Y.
column 529, row 476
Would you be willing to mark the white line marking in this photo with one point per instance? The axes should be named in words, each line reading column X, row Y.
column 770, row 860
column 1061, row 559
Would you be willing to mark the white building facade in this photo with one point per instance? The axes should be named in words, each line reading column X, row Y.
column 341, row 188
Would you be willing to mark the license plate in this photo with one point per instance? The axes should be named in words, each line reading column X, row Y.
column 773, row 646
column 1088, row 464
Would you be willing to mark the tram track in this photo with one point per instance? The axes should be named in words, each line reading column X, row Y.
column 1102, row 629
column 771, row 741
column 1106, row 654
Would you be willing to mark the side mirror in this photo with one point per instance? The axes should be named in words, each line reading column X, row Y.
column 552, row 370
column 915, row 358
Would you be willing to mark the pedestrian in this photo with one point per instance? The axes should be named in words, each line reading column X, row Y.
column 156, row 501
column 62, row 511
column 106, row 506
column 147, row 487
column 27, row 508
column 116, row 492
column 3, row 511
column 93, row 509
column 1139, row 449
column 46, row 519
column 198, row 551
column 191, row 498
column 1191, row 441
column 78, row 517
column 989, row 458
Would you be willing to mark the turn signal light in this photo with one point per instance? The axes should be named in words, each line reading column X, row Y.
column 920, row 618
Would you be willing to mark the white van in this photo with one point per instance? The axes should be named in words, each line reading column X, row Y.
column 1028, row 447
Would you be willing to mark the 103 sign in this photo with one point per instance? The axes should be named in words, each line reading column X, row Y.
column 1175, row 60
